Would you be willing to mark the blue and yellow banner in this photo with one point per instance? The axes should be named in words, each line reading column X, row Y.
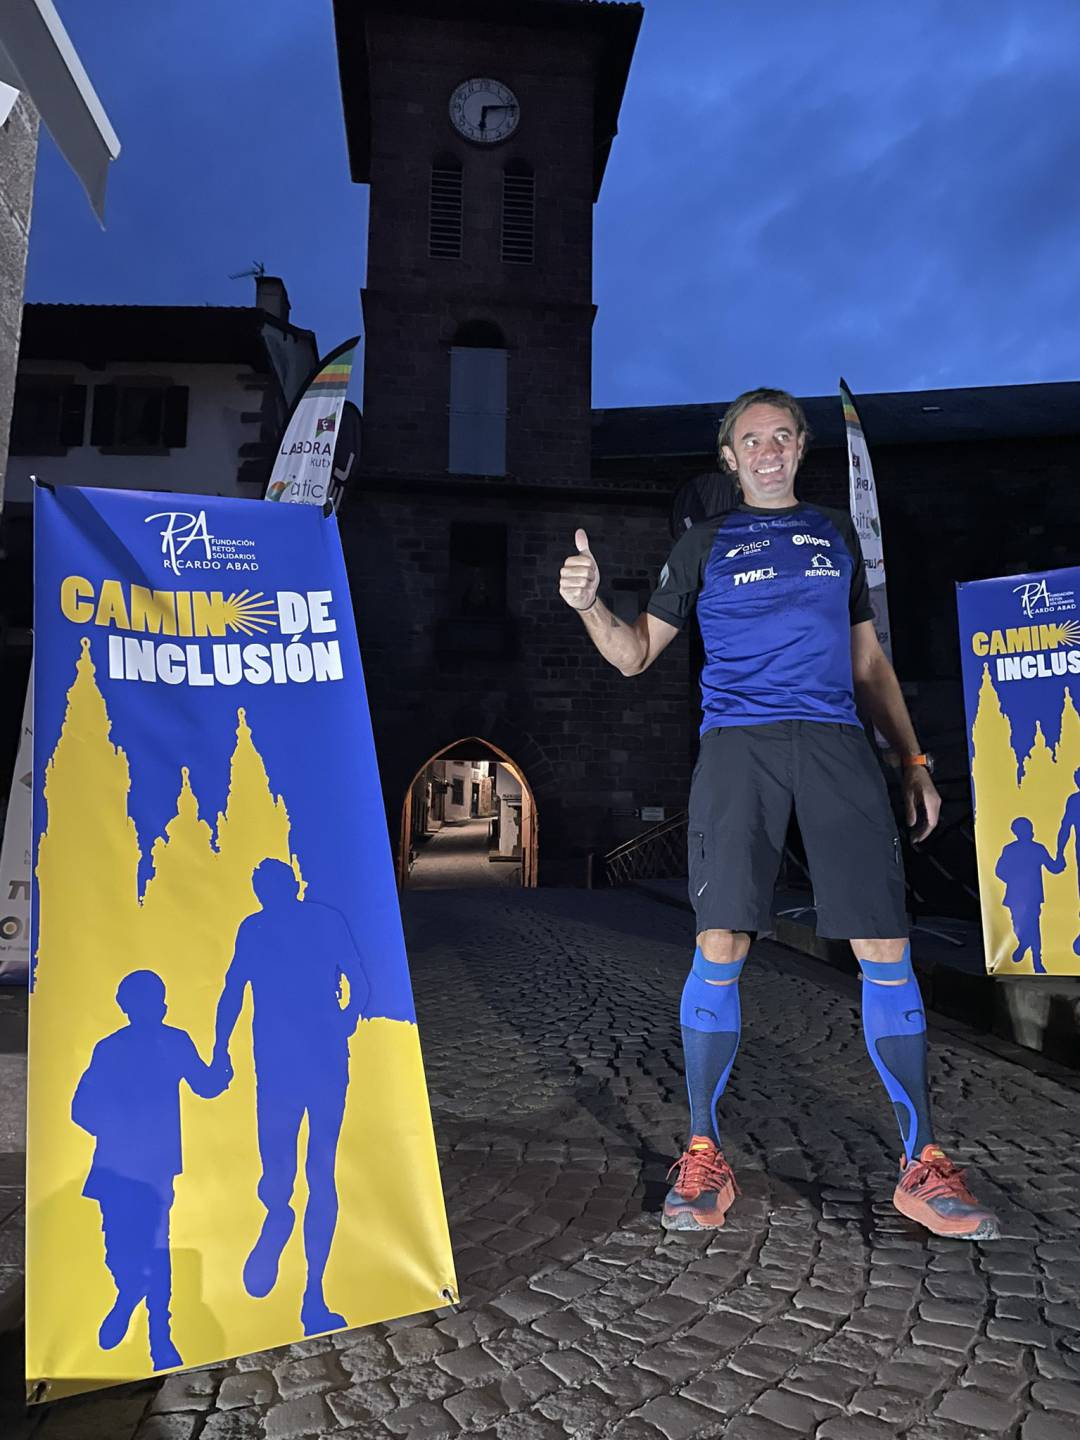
column 1020, row 649
column 229, row 1141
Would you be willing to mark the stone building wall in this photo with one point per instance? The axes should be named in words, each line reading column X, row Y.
column 594, row 745
column 414, row 304
column 18, row 156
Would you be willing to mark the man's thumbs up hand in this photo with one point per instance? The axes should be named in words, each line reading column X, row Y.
column 579, row 578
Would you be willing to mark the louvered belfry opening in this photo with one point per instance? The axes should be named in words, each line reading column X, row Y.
column 444, row 224
column 518, row 213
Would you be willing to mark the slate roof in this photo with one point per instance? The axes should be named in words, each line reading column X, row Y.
column 101, row 334
column 906, row 417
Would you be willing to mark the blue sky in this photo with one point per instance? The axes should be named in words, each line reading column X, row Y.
column 797, row 190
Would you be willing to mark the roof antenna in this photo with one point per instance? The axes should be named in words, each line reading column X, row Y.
column 257, row 271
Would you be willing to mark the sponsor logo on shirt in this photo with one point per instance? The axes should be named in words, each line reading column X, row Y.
column 823, row 565
column 748, row 577
column 759, row 525
column 750, row 548
column 665, row 576
column 810, row 540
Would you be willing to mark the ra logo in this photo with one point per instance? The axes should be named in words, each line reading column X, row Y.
column 181, row 530
column 1034, row 597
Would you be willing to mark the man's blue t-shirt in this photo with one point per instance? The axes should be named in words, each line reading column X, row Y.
column 777, row 593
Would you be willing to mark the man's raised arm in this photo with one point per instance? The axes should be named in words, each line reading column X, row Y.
column 631, row 648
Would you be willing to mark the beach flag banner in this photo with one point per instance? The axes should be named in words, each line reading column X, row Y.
column 1020, row 653
column 303, row 467
column 229, row 1142
column 346, row 452
column 865, row 514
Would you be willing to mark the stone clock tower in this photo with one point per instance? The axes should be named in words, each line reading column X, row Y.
column 483, row 128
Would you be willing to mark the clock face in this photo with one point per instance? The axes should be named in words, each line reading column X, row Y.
column 484, row 111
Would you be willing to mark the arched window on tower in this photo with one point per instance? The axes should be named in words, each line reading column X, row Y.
column 518, row 213
column 445, row 210
column 478, row 400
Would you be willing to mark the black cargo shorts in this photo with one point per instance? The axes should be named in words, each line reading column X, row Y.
column 746, row 780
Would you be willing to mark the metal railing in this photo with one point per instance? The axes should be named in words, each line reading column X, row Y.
column 658, row 853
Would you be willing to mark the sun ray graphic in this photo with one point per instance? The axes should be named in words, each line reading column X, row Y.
column 249, row 613
column 1068, row 632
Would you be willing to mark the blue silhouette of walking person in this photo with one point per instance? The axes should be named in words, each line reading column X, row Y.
column 1070, row 825
column 294, row 954
column 1021, row 867
column 129, row 1100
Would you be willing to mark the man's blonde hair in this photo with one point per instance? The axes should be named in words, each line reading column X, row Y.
column 761, row 396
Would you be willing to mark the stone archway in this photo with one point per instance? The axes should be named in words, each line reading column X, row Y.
column 473, row 748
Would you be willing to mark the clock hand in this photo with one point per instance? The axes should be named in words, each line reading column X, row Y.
column 484, row 113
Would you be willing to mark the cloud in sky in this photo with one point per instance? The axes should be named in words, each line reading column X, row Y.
column 797, row 190
column 233, row 152
column 879, row 190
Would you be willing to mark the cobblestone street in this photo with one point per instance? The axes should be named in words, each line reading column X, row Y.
column 456, row 857
column 549, row 1021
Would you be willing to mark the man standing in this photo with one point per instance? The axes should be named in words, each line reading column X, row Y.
column 785, row 616
column 295, row 955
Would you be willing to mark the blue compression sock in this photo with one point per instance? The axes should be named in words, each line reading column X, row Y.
column 711, row 1021
column 894, row 1025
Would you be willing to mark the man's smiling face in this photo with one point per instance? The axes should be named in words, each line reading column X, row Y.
column 765, row 451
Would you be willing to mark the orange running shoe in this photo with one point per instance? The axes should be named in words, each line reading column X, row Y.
column 932, row 1192
column 703, row 1191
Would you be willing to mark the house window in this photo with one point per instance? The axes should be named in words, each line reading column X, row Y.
column 518, row 213
column 49, row 416
column 477, row 570
column 139, row 418
column 445, row 210
column 457, row 791
column 478, row 400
